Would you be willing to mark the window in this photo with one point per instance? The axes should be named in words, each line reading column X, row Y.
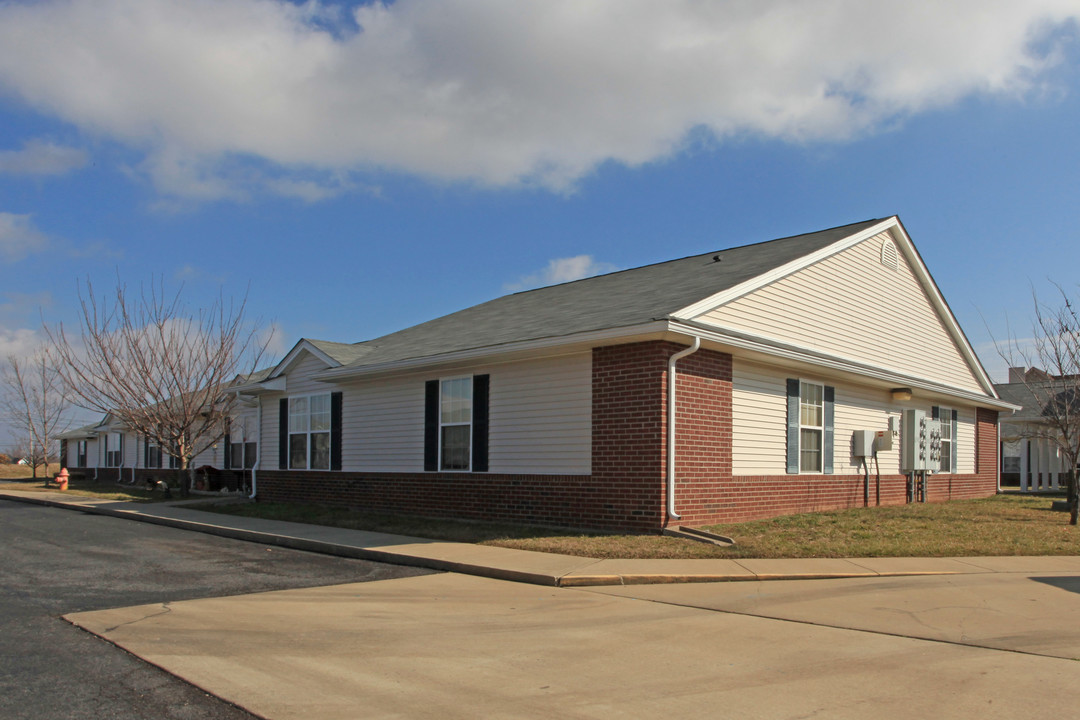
column 811, row 426
column 455, row 424
column 947, row 416
column 114, row 449
column 810, row 431
column 153, row 454
column 242, row 455
column 236, row 455
column 309, row 432
column 80, row 454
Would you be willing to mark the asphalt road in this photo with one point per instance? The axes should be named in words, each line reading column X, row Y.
column 54, row 562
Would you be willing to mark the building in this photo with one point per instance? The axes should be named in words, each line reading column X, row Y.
column 553, row 406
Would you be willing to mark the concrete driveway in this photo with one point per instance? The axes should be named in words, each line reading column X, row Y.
column 455, row 646
column 1034, row 612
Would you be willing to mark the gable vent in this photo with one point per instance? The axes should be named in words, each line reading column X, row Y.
column 889, row 257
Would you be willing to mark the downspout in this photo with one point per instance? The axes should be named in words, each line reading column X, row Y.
column 258, row 449
column 671, row 426
column 998, row 444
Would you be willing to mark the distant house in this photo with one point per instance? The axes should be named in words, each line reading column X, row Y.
column 1031, row 458
column 551, row 406
column 108, row 449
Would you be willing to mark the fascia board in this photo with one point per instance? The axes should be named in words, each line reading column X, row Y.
column 795, row 353
column 938, row 301
column 540, row 346
column 714, row 301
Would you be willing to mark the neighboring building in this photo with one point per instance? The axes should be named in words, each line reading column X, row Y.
column 1031, row 458
column 550, row 406
column 110, row 450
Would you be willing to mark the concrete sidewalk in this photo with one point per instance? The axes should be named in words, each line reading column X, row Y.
column 523, row 565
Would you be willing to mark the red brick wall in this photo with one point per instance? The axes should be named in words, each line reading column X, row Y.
column 562, row 500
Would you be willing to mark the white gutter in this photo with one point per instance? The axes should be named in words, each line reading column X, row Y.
column 258, row 449
column 671, row 425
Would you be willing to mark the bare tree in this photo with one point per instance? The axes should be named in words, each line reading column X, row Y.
column 35, row 400
column 1053, row 353
column 157, row 367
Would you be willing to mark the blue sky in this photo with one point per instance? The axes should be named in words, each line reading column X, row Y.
column 359, row 168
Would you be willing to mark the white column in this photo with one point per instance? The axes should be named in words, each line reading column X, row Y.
column 1055, row 476
column 1025, row 446
column 1044, row 463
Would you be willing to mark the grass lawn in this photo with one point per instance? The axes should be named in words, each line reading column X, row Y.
column 18, row 477
column 1001, row 525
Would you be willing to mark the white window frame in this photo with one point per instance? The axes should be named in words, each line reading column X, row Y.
column 82, row 448
column 119, row 451
column 152, row 446
column 309, row 433
column 467, row 381
column 945, row 423
column 819, row 429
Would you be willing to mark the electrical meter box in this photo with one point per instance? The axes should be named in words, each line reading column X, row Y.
column 884, row 439
column 862, row 443
column 920, row 443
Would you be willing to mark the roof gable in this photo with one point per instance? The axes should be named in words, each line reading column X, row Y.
column 331, row 354
column 847, row 302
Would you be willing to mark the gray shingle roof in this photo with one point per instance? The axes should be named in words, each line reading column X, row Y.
column 343, row 353
column 1036, row 399
column 619, row 299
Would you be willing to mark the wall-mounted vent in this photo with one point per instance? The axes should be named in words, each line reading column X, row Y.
column 889, row 257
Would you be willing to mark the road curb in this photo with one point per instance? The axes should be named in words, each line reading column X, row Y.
column 569, row 580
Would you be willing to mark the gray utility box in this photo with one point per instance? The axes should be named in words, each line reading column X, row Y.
column 862, row 443
column 920, row 443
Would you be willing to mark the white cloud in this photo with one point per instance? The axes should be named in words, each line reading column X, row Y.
column 38, row 157
column 562, row 270
column 20, row 342
column 222, row 94
column 19, row 237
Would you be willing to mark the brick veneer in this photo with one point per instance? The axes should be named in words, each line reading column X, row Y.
column 626, row 490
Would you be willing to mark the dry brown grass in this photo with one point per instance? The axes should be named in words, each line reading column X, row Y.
column 84, row 487
column 20, row 472
column 1002, row 525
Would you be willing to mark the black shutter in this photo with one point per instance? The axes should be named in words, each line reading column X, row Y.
column 952, row 447
column 228, row 451
column 481, row 392
column 63, row 454
column 935, row 412
column 146, row 451
column 283, row 434
column 829, row 433
column 335, row 431
column 431, row 425
column 793, row 425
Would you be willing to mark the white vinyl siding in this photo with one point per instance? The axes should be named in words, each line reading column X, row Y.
column 540, row 416
column 851, row 306
column 759, row 412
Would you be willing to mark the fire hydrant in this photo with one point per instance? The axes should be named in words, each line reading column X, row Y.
column 62, row 479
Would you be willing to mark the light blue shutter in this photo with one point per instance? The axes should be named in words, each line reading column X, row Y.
column 952, row 460
column 793, row 425
column 829, row 432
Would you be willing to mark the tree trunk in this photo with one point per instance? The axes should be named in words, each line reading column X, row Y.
column 1073, row 495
